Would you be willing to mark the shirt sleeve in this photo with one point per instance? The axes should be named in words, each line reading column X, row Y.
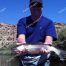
column 51, row 31
column 21, row 28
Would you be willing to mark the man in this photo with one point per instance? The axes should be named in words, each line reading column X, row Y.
column 35, row 29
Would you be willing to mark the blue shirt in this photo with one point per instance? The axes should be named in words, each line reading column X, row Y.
column 36, row 33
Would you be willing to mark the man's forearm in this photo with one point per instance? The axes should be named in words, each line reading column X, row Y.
column 21, row 39
column 48, row 40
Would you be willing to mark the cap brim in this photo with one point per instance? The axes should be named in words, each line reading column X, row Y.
column 37, row 4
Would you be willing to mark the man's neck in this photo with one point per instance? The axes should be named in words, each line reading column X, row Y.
column 35, row 18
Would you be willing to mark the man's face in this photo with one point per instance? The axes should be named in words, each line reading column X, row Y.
column 36, row 11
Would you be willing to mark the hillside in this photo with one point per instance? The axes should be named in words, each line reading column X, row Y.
column 8, row 33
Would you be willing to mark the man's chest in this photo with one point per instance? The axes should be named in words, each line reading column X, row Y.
column 37, row 30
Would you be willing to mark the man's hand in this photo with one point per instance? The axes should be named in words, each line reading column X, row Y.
column 21, row 40
column 44, row 51
column 24, row 51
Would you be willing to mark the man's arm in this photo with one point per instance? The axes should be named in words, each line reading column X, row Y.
column 21, row 31
column 51, row 34
column 21, row 39
column 48, row 40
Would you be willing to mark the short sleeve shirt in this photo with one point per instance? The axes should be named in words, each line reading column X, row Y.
column 36, row 32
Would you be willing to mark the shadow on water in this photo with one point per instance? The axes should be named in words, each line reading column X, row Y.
column 55, row 60
column 58, row 63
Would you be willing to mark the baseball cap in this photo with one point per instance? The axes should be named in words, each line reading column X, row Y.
column 38, row 3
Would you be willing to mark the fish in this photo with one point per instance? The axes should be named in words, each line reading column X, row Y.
column 35, row 49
